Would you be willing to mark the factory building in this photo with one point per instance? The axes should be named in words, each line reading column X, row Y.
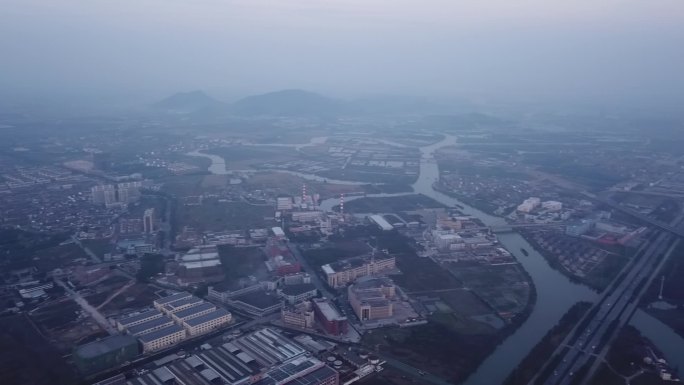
column 371, row 298
column 300, row 315
column 193, row 312
column 181, row 304
column 150, row 326
column 201, row 264
column 256, row 303
column 329, row 317
column 106, row 353
column 300, row 371
column 529, row 204
column 446, row 240
column 137, row 319
column 158, row 304
column 267, row 346
column 341, row 273
column 208, row 322
column 297, row 293
column 380, row 222
column 162, row 338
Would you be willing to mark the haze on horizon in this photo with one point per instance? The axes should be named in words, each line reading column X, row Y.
column 531, row 49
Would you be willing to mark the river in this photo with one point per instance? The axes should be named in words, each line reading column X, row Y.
column 555, row 292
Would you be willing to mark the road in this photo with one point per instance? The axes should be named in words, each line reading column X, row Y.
column 315, row 278
column 88, row 308
column 582, row 346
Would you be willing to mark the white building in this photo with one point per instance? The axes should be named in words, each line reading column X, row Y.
column 552, row 205
column 163, row 338
column 380, row 222
column 445, row 239
column 529, row 204
column 207, row 322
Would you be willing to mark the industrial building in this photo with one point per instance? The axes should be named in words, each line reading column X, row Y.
column 380, row 222
column 158, row 304
column 150, row 326
column 300, row 371
column 201, row 264
column 447, row 240
column 208, row 322
column 137, row 319
column 256, row 303
column 193, row 312
column 106, row 353
column 371, row 298
column 297, row 293
column 181, row 304
column 341, row 273
column 329, row 317
column 300, row 315
column 162, row 338
column 267, row 346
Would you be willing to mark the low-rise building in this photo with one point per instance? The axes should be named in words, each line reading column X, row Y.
column 162, row 338
column 341, row 273
column 329, row 317
column 159, row 303
column 193, row 312
column 257, row 303
column 371, row 298
column 137, row 319
column 105, row 353
column 300, row 315
column 208, row 322
column 297, row 293
column 181, row 304
column 150, row 326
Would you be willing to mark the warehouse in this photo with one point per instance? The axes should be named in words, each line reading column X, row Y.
column 193, row 312
column 380, row 222
column 301, row 371
column 267, row 346
column 150, row 326
column 162, row 338
column 207, row 322
column 256, row 303
column 181, row 304
column 158, row 304
column 105, row 353
column 137, row 319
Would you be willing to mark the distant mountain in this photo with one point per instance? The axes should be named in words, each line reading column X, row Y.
column 190, row 102
column 288, row 103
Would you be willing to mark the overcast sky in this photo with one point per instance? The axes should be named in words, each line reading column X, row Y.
column 573, row 48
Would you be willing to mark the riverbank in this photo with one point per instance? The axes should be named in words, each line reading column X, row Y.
column 534, row 361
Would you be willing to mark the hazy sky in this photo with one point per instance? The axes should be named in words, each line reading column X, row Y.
column 593, row 48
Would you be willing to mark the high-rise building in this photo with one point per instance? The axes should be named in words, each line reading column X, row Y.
column 148, row 221
column 103, row 195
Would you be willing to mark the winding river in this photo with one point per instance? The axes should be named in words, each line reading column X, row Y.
column 555, row 293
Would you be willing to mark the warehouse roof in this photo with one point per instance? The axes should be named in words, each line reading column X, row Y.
column 147, row 325
column 138, row 317
column 104, row 345
column 207, row 317
column 174, row 297
column 194, row 310
column 160, row 333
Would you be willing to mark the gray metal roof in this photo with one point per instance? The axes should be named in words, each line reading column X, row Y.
column 160, row 333
column 151, row 324
column 207, row 317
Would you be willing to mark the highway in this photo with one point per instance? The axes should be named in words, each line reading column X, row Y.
column 582, row 346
